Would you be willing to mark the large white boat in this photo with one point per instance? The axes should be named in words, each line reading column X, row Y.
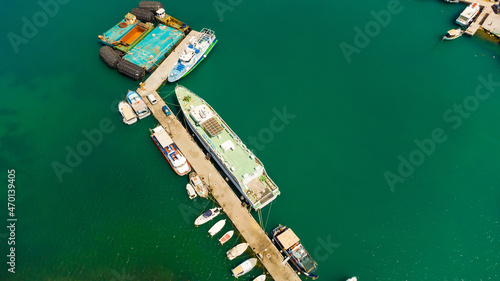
column 127, row 113
column 244, row 267
column 208, row 215
column 138, row 104
column 241, row 166
column 195, row 51
column 170, row 151
column 468, row 15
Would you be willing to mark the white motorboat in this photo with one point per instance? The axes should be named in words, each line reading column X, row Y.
column 260, row 278
column 236, row 251
column 353, row 279
column 208, row 215
column 244, row 267
column 216, row 227
column 190, row 191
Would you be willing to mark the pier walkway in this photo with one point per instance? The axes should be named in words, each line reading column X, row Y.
column 241, row 218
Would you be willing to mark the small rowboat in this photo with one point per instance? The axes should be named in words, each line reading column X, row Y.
column 260, row 278
column 453, row 34
column 236, row 251
column 217, row 227
column 226, row 237
column 190, row 191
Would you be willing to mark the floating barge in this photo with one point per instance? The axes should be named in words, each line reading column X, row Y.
column 154, row 47
column 126, row 34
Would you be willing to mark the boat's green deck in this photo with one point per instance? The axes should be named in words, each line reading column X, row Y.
column 239, row 158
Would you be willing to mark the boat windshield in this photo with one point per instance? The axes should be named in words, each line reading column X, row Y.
column 207, row 213
column 463, row 18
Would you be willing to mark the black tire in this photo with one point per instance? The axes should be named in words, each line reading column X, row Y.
column 151, row 6
column 131, row 70
column 143, row 15
column 109, row 56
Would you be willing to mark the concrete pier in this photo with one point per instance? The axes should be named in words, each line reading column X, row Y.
column 241, row 218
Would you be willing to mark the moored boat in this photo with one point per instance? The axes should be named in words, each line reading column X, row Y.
column 453, row 34
column 198, row 185
column 170, row 151
column 240, row 165
column 127, row 113
column 290, row 244
column 216, row 227
column 196, row 50
column 138, row 104
column 208, row 215
column 226, row 237
column 236, row 251
column 260, row 278
column 244, row 267
column 352, row 279
column 468, row 15
column 449, row 1
column 190, row 191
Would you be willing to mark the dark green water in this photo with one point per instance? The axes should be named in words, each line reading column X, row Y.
column 122, row 213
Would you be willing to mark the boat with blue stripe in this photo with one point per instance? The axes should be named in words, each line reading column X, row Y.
column 195, row 51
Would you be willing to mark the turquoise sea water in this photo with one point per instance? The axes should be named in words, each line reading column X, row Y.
column 122, row 213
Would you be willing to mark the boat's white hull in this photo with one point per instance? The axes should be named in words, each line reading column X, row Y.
column 236, row 251
column 216, row 227
column 202, row 219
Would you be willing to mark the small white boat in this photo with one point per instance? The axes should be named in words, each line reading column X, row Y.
column 198, row 185
column 190, row 191
column 452, row 1
column 217, row 227
column 236, row 251
column 226, row 237
column 208, row 215
column 127, row 113
column 260, row 278
column 453, row 34
column 353, row 279
column 244, row 267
